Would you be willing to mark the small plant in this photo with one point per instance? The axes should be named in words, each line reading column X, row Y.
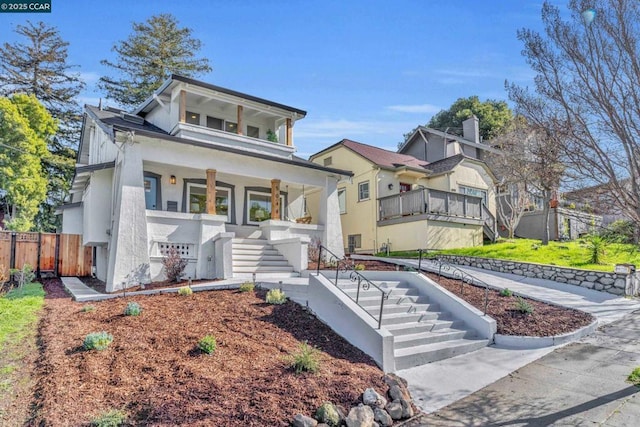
column 523, row 306
column 112, row 418
column 133, row 309
column 634, row 377
column 88, row 308
column 23, row 275
column 305, row 359
column 97, row 341
column 276, row 296
column 506, row 292
column 271, row 136
column 596, row 246
column 247, row 287
column 185, row 291
column 207, row 344
column 174, row 265
column 359, row 267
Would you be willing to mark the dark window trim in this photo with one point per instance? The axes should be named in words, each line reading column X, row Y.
column 202, row 181
column 158, row 190
column 245, row 213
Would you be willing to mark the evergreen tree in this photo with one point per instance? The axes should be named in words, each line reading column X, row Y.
column 156, row 49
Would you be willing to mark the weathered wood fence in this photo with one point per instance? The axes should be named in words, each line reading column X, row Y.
column 61, row 254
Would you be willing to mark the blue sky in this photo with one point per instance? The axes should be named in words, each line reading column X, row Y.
column 367, row 70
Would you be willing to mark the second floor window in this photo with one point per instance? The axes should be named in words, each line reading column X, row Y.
column 193, row 118
column 363, row 191
column 342, row 200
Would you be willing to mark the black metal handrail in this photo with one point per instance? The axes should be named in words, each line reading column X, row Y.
column 343, row 265
column 446, row 269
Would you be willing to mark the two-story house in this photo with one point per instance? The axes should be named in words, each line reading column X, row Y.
column 207, row 171
column 400, row 202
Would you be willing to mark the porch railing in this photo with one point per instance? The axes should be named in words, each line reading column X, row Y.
column 445, row 269
column 341, row 265
column 425, row 200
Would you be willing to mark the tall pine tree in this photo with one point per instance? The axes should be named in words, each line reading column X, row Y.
column 156, row 49
column 37, row 65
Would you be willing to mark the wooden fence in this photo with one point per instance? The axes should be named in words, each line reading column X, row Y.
column 62, row 254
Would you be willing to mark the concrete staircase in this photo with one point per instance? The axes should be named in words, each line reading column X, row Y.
column 423, row 333
column 259, row 257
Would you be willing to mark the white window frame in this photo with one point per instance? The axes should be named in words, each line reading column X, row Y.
column 343, row 208
column 360, row 198
column 261, row 193
column 485, row 193
column 218, row 189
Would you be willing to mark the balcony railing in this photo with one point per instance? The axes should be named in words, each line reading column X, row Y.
column 436, row 202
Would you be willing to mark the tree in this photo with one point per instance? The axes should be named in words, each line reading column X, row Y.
column 493, row 116
column 39, row 67
column 588, row 76
column 25, row 128
column 156, row 49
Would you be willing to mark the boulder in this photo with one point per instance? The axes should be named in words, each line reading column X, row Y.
column 397, row 386
column 407, row 410
column 360, row 416
column 372, row 398
column 303, row 421
column 328, row 413
column 382, row 417
column 395, row 410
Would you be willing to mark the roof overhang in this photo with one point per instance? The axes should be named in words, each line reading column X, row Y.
column 83, row 173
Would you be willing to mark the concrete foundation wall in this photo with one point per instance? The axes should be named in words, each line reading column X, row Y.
column 430, row 234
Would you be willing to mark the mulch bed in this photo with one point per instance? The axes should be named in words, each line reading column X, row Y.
column 154, row 372
column 546, row 319
column 100, row 286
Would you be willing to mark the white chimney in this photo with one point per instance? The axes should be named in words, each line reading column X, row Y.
column 471, row 129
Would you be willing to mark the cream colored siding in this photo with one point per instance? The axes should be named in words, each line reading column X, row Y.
column 428, row 234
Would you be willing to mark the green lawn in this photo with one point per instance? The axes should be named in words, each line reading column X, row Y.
column 568, row 254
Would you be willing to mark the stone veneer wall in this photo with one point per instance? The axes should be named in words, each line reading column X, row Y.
column 613, row 283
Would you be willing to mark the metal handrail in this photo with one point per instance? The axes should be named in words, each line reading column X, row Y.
column 454, row 272
column 342, row 265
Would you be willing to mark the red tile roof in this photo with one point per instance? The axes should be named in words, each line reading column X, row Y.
column 383, row 158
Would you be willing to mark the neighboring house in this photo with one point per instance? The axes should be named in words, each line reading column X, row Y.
column 432, row 145
column 401, row 202
column 564, row 224
column 204, row 170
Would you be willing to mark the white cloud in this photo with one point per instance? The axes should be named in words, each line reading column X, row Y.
column 89, row 77
column 89, row 100
column 418, row 108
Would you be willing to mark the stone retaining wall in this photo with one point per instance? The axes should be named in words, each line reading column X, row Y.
column 613, row 283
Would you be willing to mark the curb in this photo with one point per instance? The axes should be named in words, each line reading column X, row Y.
column 525, row 342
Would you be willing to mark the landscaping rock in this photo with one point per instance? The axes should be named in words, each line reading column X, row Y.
column 303, row 421
column 328, row 413
column 396, row 383
column 360, row 416
column 407, row 410
column 372, row 398
column 397, row 393
column 382, row 417
column 323, row 425
column 395, row 410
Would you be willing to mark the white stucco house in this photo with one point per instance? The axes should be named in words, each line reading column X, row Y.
column 206, row 170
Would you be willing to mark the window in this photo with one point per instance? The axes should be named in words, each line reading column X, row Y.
column 342, row 200
column 214, row 123
column 253, row 132
column 231, row 127
column 363, row 191
column 328, row 161
column 197, row 200
column 470, row 191
column 354, row 241
column 259, row 207
column 405, row 187
column 193, row 118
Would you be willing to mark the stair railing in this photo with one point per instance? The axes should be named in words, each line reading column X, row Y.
column 445, row 269
column 342, row 265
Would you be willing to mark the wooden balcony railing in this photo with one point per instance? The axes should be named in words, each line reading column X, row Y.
column 425, row 200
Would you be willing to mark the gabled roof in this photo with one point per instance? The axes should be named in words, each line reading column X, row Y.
column 446, row 164
column 449, row 136
column 378, row 156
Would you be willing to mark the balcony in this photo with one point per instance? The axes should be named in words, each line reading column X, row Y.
column 427, row 201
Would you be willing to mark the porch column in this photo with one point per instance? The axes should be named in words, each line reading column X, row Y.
column 183, row 106
column 289, row 140
column 211, row 191
column 275, row 199
column 240, row 127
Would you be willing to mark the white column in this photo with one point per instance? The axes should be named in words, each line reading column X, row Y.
column 329, row 216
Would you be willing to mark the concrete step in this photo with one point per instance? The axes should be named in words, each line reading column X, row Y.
column 423, row 338
column 240, row 241
column 426, row 326
column 408, row 318
column 347, row 283
column 261, row 269
column 255, row 252
column 262, row 263
column 257, row 257
column 265, row 275
column 368, row 301
column 420, row 355
column 401, row 308
column 249, row 247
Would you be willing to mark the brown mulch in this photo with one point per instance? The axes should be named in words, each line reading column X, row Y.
column 101, row 287
column 154, row 372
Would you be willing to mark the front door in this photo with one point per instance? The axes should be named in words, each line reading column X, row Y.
column 151, row 192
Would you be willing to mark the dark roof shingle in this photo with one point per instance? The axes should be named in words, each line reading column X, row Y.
column 383, row 158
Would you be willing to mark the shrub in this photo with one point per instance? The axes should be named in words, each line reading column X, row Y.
column 276, row 296
column 207, row 344
column 305, row 359
column 185, row 291
column 634, row 377
column 174, row 265
column 359, row 267
column 133, row 309
column 247, row 287
column 620, row 231
column 523, row 306
column 506, row 292
column 596, row 246
column 88, row 308
column 23, row 275
column 112, row 418
column 97, row 340
column 328, row 413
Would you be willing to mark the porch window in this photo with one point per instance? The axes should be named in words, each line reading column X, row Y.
column 197, row 200
column 253, row 132
column 215, row 123
column 342, row 200
column 470, row 191
column 405, row 187
column 363, row 191
column 193, row 118
column 231, row 127
column 259, row 207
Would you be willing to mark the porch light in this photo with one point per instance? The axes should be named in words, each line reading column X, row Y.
column 172, row 179
column 390, row 186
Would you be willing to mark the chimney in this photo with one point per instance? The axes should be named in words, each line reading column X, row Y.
column 471, row 129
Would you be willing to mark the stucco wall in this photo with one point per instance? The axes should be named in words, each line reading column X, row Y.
column 97, row 208
column 428, row 234
column 72, row 220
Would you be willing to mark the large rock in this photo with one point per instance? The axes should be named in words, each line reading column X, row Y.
column 382, row 417
column 372, row 398
column 303, row 421
column 360, row 416
column 328, row 413
column 407, row 410
column 397, row 386
column 395, row 410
